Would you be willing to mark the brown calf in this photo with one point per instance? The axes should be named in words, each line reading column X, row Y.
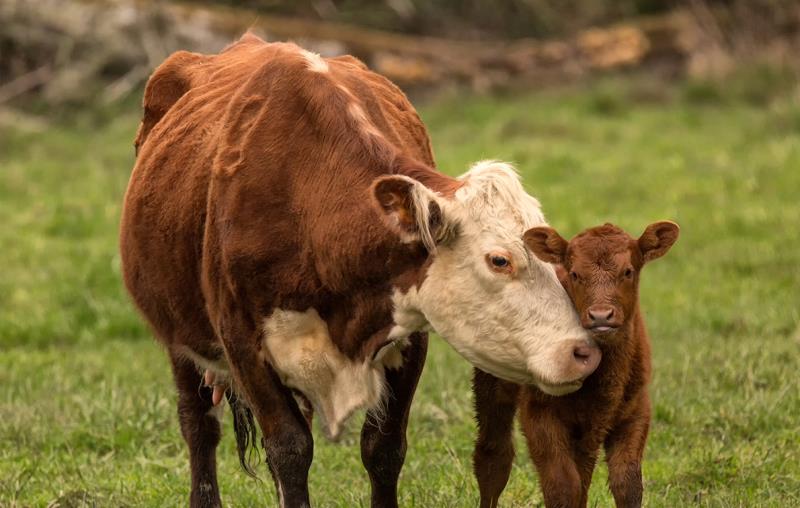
column 600, row 270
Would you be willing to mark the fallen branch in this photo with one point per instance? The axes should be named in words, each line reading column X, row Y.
column 25, row 83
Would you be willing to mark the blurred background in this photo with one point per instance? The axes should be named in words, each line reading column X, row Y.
column 627, row 111
column 66, row 52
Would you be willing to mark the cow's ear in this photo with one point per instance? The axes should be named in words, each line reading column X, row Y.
column 411, row 210
column 657, row 239
column 546, row 243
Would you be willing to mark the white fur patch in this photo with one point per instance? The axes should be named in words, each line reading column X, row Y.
column 391, row 355
column 315, row 62
column 358, row 115
column 406, row 317
column 492, row 189
column 302, row 353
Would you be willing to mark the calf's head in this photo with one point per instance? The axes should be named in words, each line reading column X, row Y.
column 600, row 269
column 501, row 308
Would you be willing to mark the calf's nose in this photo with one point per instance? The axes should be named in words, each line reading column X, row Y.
column 601, row 313
column 587, row 357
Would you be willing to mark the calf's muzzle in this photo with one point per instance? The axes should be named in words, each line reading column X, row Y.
column 601, row 318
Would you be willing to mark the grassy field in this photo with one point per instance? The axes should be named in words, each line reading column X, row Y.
column 87, row 407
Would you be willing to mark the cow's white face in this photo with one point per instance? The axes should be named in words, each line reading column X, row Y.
column 498, row 305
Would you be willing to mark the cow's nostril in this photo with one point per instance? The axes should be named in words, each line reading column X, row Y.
column 583, row 353
column 587, row 357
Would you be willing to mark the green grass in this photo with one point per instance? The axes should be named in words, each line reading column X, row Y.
column 87, row 403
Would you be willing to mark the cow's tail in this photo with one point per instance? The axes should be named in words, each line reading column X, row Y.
column 244, row 427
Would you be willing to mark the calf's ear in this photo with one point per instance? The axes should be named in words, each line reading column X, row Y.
column 411, row 210
column 546, row 243
column 657, row 239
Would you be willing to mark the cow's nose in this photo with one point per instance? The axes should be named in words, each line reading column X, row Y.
column 601, row 313
column 587, row 356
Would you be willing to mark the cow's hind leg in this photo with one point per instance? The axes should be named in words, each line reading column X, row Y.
column 200, row 427
column 383, row 436
column 495, row 406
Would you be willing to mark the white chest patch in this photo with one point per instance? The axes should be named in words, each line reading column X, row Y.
column 302, row 353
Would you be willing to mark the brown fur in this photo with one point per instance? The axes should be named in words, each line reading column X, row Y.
column 251, row 193
column 612, row 409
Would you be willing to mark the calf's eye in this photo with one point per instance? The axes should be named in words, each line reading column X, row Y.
column 573, row 275
column 628, row 273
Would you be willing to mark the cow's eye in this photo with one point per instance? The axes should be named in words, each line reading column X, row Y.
column 499, row 261
column 573, row 275
column 628, row 273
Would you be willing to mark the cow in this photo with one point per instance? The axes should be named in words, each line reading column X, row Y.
column 288, row 240
column 600, row 270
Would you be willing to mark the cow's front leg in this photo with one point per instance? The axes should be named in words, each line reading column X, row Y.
column 288, row 444
column 286, row 434
column 383, row 436
column 201, row 431
column 495, row 406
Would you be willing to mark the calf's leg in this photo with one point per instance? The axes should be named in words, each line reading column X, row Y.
column 585, row 456
column 552, row 453
column 624, row 449
column 495, row 406
column 201, row 431
column 383, row 437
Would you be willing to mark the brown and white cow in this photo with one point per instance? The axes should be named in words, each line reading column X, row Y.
column 284, row 234
column 600, row 269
